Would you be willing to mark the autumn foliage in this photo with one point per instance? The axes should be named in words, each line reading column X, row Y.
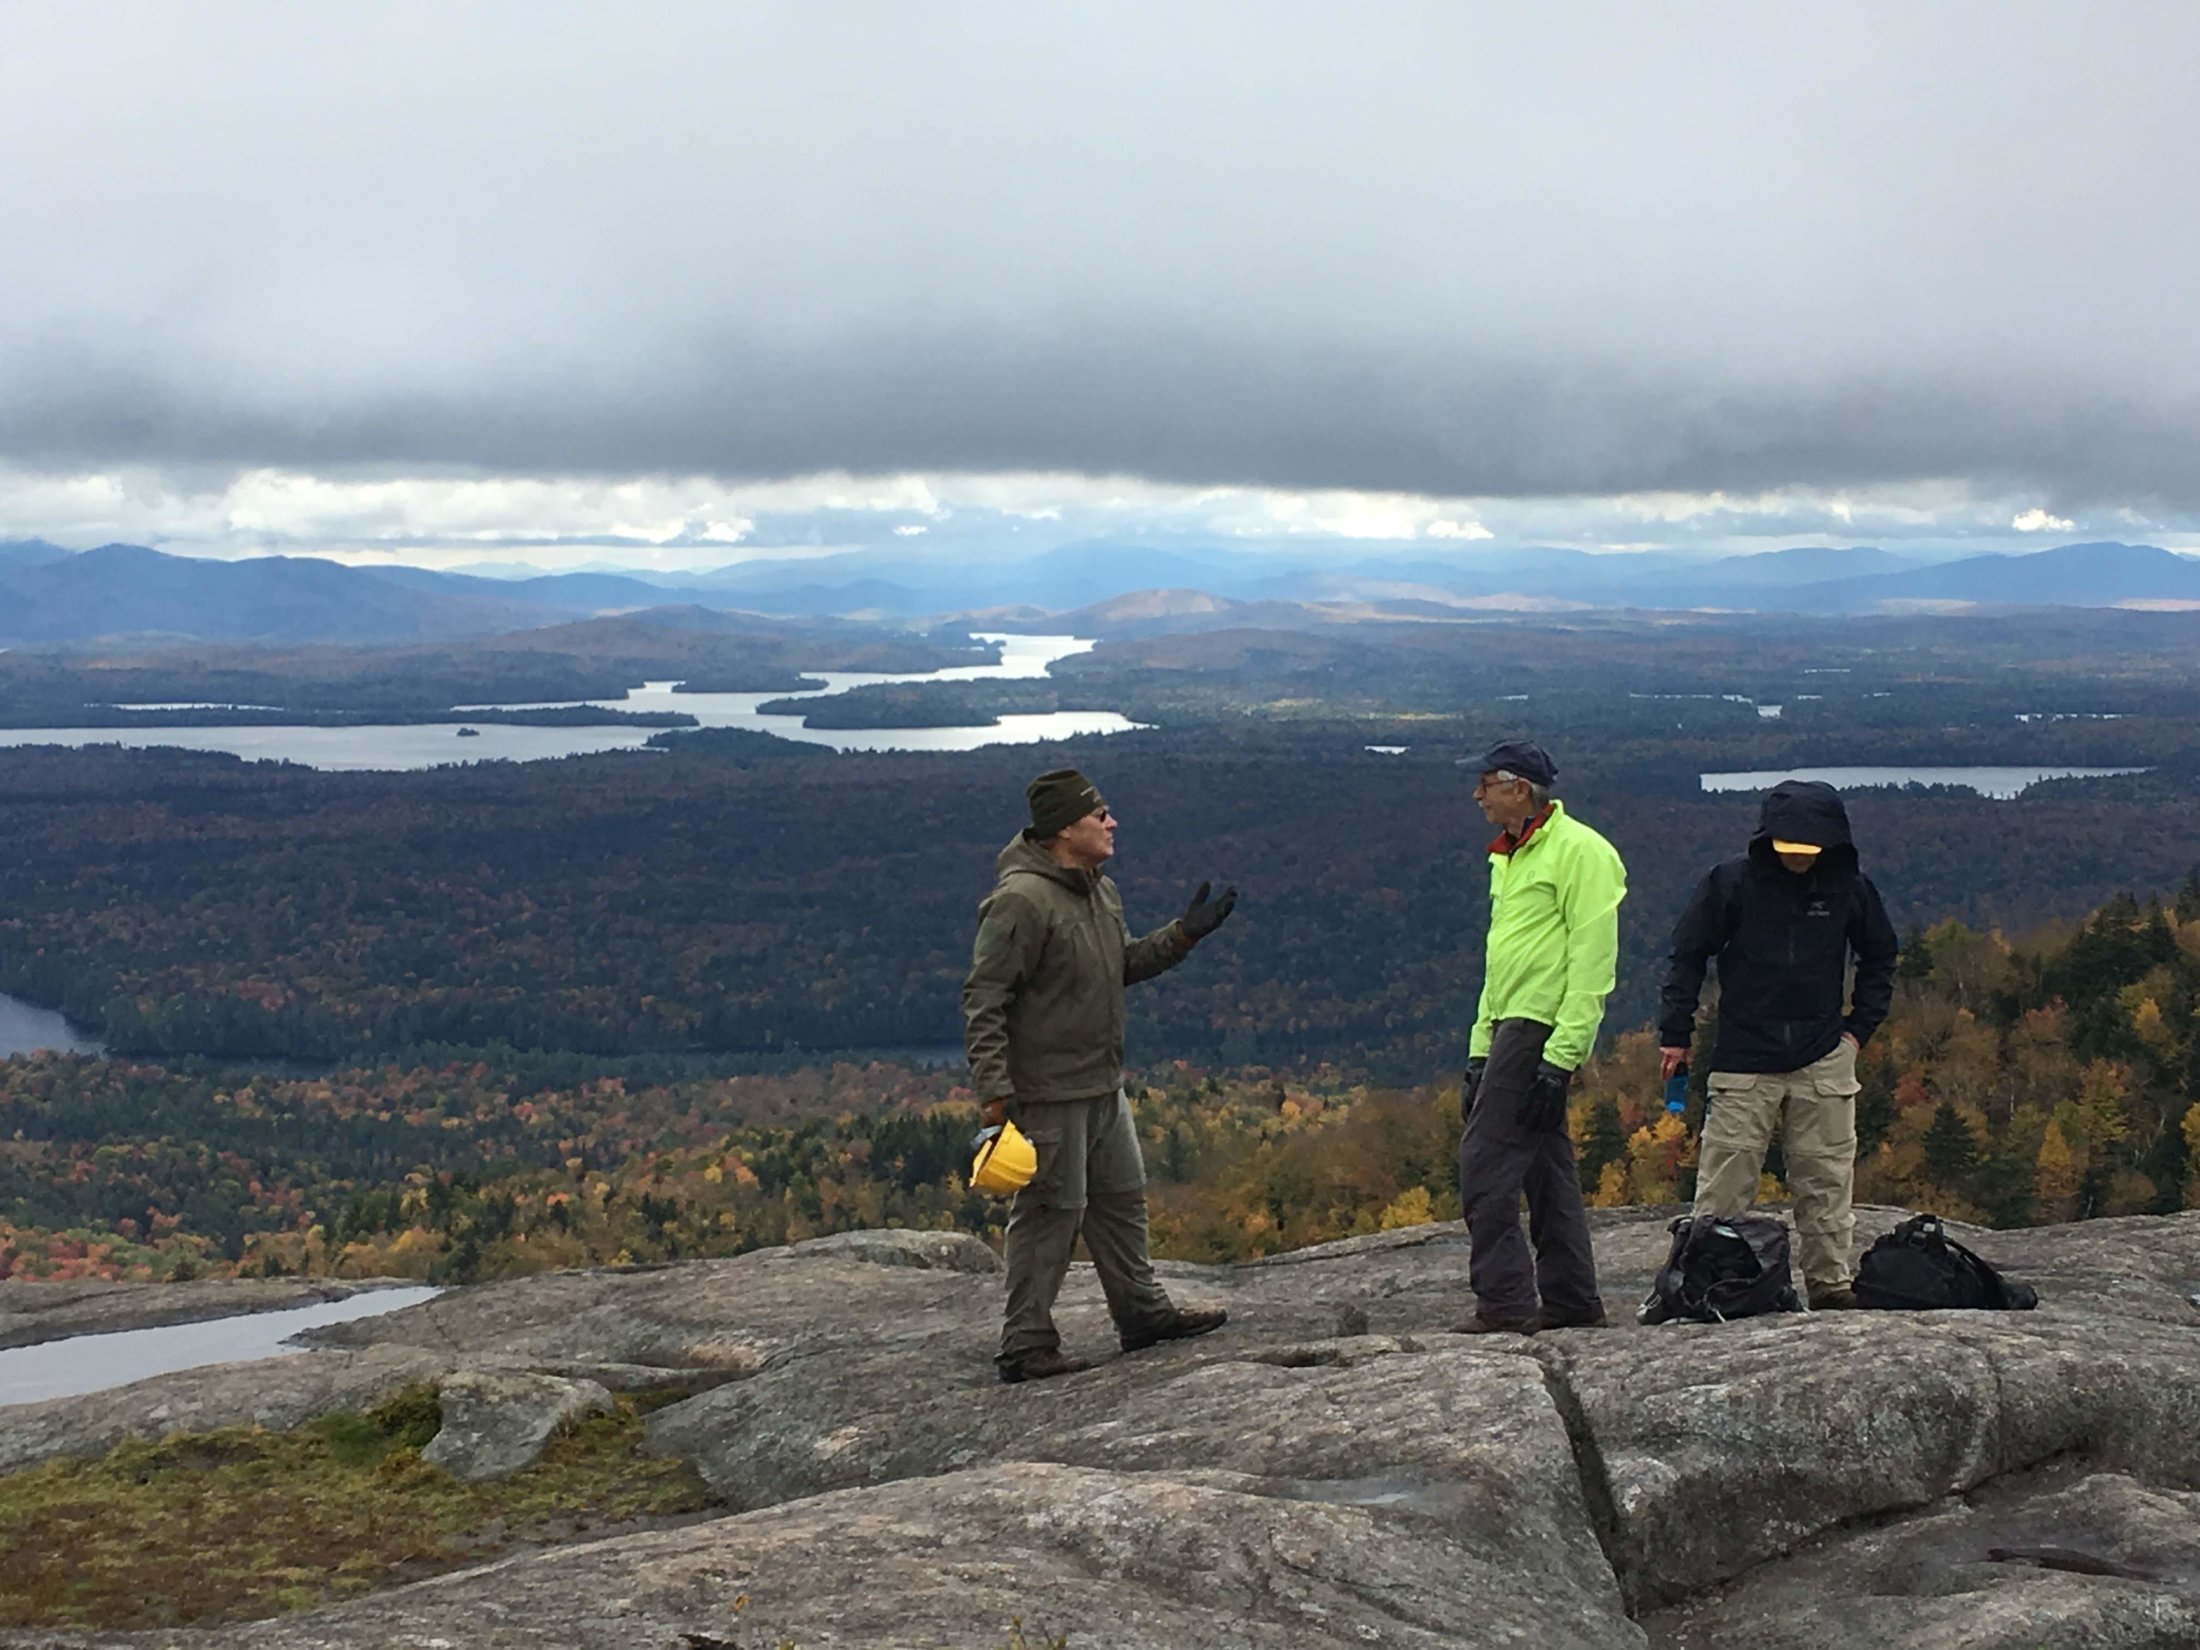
column 2049, row 1080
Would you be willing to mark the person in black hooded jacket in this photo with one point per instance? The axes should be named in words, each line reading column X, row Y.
column 1783, row 922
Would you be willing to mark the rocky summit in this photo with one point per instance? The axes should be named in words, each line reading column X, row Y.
column 1338, row 1466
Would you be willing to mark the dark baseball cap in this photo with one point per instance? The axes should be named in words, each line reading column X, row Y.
column 1516, row 756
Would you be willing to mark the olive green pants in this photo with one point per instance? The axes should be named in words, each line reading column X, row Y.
column 1815, row 1111
column 1091, row 1181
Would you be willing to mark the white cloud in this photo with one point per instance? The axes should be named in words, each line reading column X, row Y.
column 673, row 522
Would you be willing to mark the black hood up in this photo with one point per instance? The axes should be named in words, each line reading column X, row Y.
column 1805, row 810
column 1783, row 944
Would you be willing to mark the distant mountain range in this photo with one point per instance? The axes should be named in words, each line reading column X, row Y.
column 121, row 591
column 15, row 553
column 1812, row 579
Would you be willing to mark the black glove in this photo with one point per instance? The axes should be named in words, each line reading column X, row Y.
column 1203, row 916
column 1471, row 1084
column 1543, row 1107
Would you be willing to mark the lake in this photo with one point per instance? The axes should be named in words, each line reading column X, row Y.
column 26, row 1030
column 438, row 744
column 93, row 1363
column 2001, row 784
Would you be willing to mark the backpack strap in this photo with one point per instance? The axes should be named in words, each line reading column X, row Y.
column 2001, row 1294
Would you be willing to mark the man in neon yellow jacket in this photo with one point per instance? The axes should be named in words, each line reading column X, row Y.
column 1555, row 892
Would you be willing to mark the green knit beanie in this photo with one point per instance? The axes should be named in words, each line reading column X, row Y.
column 1060, row 799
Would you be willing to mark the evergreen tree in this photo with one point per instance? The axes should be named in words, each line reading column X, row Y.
column 1606, row 1143
column 2188, row 896
column 1950, row 1149
column 1875, row 1110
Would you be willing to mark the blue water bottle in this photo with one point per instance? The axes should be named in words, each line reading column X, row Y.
column 1676, row 1092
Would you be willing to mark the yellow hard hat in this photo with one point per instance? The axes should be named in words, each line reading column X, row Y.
column 1006, row 1161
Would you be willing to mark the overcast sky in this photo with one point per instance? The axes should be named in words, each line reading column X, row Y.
column 394, row 277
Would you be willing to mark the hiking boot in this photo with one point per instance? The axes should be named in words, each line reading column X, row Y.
column 1179, row 1326
column 1837, row 1297
column 1595, row 1320
column 1037, row 1366
column 1481, row 1325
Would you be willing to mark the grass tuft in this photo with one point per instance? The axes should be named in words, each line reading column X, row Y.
column 238, row 1524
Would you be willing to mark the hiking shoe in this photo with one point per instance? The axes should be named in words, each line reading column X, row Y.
column 1181, row 1325
column 1037, row 1366
column 1839, row 1298
column 1480, row 1325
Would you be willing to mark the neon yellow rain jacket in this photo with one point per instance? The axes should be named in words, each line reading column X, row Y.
column 1554, row 937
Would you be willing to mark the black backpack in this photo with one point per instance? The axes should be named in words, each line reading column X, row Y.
column 1723, row 1267
column 1918, row 1267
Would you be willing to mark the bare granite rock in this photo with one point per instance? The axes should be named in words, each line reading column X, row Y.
column 2067, row 1559
column 1814, row 1424
column 933, row 1251
column 1129, row 1561
column 496, row 1422
column 276, row 1393
column 1806, row 1482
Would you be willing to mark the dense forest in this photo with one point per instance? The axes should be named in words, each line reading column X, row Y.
column 745, row 895
column 2048, row 1079
column 393, row 1021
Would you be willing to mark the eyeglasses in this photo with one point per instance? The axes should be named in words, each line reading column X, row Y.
column 1500, row 777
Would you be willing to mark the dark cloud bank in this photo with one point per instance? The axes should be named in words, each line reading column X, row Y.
column 1572, row 252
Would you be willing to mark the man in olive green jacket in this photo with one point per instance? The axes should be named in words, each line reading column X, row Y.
column 1043, row 1013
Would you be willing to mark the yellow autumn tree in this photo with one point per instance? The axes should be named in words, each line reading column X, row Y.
column 1656, row 1158
column 2104, row 1102
column 1409, row 1208
column 2152, row 1028
column 1612, row 1185
column 2055, row 1177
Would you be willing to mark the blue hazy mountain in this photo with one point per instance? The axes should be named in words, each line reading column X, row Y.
column 16, row 553
column 2071, row 575
column 127, row 590
column 49, row 595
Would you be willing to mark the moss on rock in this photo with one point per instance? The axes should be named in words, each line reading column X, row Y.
column 242, row 1523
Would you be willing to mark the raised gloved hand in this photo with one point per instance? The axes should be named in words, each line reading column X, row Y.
column 1203, row 916
column 1471, row 1083
column 1543, row 1107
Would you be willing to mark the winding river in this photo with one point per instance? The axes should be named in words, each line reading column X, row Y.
column 28, row 1030
column 92, row 1363
column 391, row 749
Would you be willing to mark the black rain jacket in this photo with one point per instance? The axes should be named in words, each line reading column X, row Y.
column 1783, row 943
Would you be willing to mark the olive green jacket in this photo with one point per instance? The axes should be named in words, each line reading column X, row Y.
column 1043, row 1007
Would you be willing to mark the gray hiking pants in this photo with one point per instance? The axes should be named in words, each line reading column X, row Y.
column 1091, row 1181
column 1498, row 1162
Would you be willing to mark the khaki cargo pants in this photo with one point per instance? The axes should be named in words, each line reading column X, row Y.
column 1091, row 1180
column 1815, row 1111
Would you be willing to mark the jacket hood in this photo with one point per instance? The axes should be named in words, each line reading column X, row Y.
column 1805, row 810
column 1025, row 854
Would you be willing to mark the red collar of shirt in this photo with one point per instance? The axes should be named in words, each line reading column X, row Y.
column 1508, row 844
